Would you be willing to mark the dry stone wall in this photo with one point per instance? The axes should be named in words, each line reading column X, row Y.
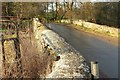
column 95, row 27
column 71, row 64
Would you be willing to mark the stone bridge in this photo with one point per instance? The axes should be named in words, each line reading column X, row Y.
column 69, row 63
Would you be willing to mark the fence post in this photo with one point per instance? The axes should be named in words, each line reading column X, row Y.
column 95, row 69
column 18, row 57
column 2, row 55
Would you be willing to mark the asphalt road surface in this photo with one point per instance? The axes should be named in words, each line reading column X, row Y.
column 92, row 48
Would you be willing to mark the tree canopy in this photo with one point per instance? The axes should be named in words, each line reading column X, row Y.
column 98, row 12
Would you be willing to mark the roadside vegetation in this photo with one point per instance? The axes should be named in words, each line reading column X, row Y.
column 34, row 62
column 105, row 13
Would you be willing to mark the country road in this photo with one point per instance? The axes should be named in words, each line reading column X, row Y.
column 91, row 48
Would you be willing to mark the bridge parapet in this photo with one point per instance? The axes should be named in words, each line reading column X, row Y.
column 111, row 31
column 71, row 64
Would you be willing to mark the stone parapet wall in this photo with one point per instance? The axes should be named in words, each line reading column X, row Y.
column 71, row 64
column 95, row 27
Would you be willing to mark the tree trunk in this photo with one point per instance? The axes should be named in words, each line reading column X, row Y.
column 56, row 10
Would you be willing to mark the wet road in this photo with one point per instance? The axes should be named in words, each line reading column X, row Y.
column 91, row 48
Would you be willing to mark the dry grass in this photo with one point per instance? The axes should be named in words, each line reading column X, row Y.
column 11, row 67
column 34, row 62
